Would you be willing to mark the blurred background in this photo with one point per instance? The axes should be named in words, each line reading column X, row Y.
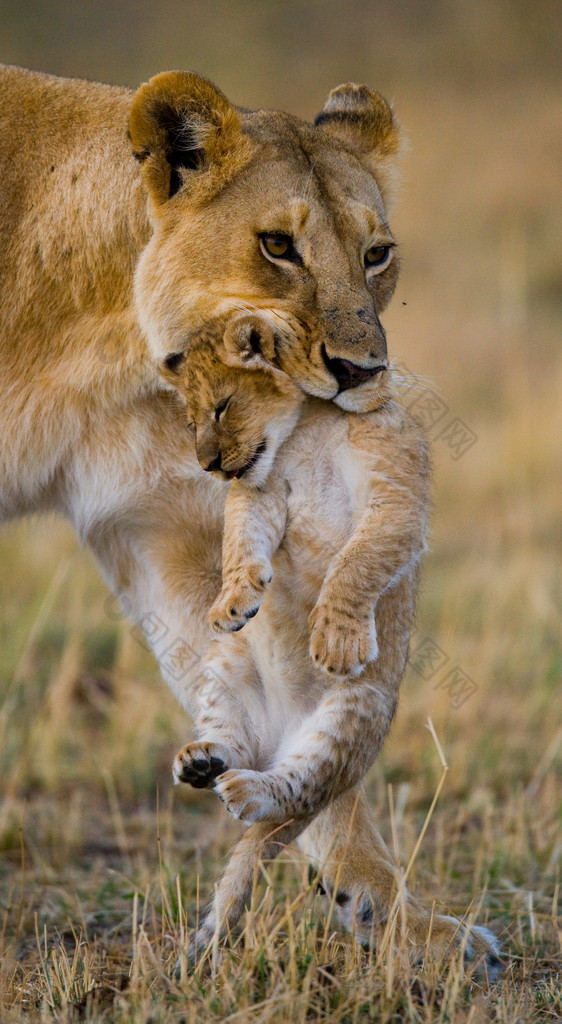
column 477, row 312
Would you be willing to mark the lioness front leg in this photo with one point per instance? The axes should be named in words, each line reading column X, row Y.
column 254, row 524
column 351, row 864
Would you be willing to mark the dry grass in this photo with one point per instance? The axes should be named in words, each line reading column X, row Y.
column 104, row 864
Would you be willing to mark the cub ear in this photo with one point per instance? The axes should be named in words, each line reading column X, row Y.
column 364, row 121
column 249, row 341
column 180, row 123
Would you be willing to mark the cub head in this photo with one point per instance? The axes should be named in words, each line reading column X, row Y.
column 241, row 407
column 260, row 212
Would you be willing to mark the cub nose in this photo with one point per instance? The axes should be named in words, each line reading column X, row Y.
column 348, row 374
column 215, row 464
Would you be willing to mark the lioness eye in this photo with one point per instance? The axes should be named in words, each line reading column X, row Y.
column 279, row 246
column 377, row 255
column 219, row 409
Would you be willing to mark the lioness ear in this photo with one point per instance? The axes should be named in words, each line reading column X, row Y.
column 363, row 120
column 181, row 124
column 249, row 341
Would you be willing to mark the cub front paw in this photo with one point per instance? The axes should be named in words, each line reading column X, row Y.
column 199, row 764
column 248, row 795
column 342, row 643
column 240, row 598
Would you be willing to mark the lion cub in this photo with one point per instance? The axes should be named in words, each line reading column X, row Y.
column 335, row 512
column 324, row 523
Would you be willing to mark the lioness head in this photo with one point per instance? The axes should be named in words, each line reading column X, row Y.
column 259, row 211
column 241, row 407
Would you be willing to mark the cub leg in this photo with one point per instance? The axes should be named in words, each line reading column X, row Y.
column 354, row 868
column 330, row 751
column 338, row 742
column 254, row 525
column 226, row 737
column 386, row 543
column 166, row 570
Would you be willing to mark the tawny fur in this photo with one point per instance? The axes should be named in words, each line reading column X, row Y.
column 319, row 571
column 95, row 260
column 109, row 264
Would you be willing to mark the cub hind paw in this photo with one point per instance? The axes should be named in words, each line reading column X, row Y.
column 199, row 764
column 249, row 796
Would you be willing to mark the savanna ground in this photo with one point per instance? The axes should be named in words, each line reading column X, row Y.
column 104, row 864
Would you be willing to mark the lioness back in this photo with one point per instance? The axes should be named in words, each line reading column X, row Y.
column 73, row 224
column 67, row 180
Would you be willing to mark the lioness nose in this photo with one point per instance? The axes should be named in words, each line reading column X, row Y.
column 215, row 464
column 350, row 375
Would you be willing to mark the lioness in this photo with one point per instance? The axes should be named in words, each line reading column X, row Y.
column 108, row 264
column 100, row 252
column 336, row 511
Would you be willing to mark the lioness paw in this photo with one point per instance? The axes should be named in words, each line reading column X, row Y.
column 249, row 796
column 199, row 764
column 342, row 643
column 441, row 937
column 240, row 598
column 429, row 936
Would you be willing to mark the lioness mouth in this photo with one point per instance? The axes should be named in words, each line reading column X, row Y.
column 237, row 473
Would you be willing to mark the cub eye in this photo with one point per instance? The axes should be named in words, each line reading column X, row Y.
column 278, row 246
column 377, row 256
column 174, row 361
column 221, row 408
